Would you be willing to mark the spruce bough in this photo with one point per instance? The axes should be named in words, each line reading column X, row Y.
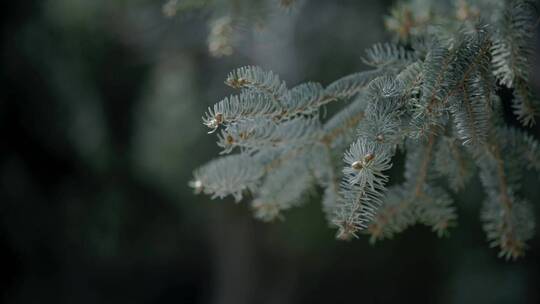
column 432, row 94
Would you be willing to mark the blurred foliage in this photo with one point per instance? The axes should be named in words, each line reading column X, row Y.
column 101, row 130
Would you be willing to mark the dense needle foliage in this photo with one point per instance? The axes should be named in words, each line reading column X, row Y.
column 432, row 93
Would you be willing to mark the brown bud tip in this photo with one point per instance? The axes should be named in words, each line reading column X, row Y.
column 218, row 118
column 346, row 232
column 368, row 157
column 357, row 165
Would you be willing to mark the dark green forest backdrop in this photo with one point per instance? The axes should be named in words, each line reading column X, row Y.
column 100, row 107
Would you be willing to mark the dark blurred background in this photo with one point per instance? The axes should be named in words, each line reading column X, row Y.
column 100, row 107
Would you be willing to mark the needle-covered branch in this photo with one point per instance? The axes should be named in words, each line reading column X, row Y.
column 432, row 96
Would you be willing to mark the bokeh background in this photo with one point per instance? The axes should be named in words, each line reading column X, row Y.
column 100, row 107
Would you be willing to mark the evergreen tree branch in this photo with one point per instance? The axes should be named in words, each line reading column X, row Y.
column 435, row 99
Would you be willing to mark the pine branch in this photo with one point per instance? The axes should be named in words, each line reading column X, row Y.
column 252, row 136
column 362, row 187
column 451, row 162
column 255, row 78
column 507, row 220
column 381, row 55
column 436, row 100
column 415, row 201
column 338, row 129
column 230, row 175
column 349, row 86
column 526, row 106
column 512, row 54
column 282, row 189
column 394, row 216
column 469, row 113
column 423, row 171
